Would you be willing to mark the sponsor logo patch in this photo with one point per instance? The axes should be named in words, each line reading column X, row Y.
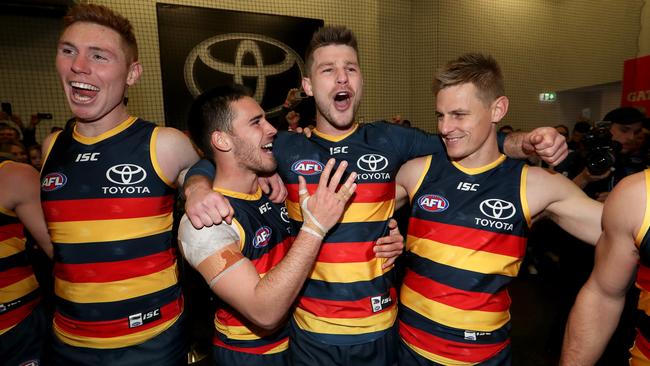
column 262, row 237
column 140, row 319
column 307, row 167
column 53, row 181
column 372, row 163
column 379, row 303
column 433, row 203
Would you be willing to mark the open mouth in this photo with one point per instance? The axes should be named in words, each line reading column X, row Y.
column 342, row 100
column 268, row 147
column 83, row 92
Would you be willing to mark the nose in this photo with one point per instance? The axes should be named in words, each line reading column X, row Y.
column 79, row 64
column 269, row 129
column 341, row 76
column 444, row 125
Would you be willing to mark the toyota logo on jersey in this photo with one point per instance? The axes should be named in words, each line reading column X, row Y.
column 372, row 163
column 262, row 237
column 498, row 209
column 307, row 167
column 433, row 203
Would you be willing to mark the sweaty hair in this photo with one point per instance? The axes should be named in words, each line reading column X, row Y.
column 326, row 36
column 211, row 112
column 481, row 70
column 98, row 14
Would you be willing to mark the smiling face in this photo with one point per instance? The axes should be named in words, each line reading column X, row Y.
column 336, row 84
column 466, row 124
column 252, row 137
column 94, row 70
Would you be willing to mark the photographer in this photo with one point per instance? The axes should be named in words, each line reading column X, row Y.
column 609, row 153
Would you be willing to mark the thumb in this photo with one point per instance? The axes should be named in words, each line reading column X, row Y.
column 302, row 188
column 535, row 139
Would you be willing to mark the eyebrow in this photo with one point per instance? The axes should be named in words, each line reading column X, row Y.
column 92, row 48
column 256, row 118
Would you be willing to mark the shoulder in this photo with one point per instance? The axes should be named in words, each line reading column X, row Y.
column 170, row 134
column 410, row 173
column 213, row 237
column 19, row 172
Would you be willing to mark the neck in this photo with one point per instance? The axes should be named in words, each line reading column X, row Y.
column 485, row 155
column 233, row 178
column 324, row 126
column 106, row 123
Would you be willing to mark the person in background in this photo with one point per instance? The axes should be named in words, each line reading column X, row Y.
column 23, row 322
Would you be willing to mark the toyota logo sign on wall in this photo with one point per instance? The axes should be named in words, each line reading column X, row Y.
column 202, row 48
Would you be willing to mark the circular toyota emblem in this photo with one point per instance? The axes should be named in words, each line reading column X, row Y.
column 372, row 163
column 498, row 209
column 248, row 45
column 126, row 174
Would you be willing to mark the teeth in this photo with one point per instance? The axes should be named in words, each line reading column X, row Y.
column 76, row 84
column 341, row 96
column 267, row 146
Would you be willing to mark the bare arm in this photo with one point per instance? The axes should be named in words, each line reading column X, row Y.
column 567, row 204
column 265, row 301
column 21, row 192
column 598, row 306
column 546, row 142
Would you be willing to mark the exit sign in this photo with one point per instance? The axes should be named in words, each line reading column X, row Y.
column 547, row 97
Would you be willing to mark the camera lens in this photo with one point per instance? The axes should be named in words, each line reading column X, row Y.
column 600, row 161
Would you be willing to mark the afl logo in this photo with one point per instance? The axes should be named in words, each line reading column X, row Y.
column 495, row 208
column 53, row 181
column 126, row 174
column 262, row 237
column 247, row 45
column 372, row 163
column 433, row 203
column 307, row 167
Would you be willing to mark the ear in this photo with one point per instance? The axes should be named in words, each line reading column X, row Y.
column 499, row 108
column 135, row 71
column 306, row 86
column 221, row 141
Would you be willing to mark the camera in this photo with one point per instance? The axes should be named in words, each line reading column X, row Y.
column 600, row 151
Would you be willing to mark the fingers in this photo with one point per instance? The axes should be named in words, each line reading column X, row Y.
column 278, row 189
column 264, row 184
column 325, row 174
column 336, row 178
column 388, row 262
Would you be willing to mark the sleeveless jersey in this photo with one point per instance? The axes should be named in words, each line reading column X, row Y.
column 466, row 240
column 641, row 349
column 266, row 235
column 109, row 212
column 348, row 298
column 19, row 292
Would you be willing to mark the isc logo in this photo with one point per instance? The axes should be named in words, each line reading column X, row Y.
column 266, row 207
column 53, row 181
column 87, row 157
column 307, row 167
column 433, row 203
column 262, row 237
column 139, row 319
column 468, row 187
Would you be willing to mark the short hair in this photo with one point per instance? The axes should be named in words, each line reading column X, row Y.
column 624, row 116
column 211, row 112
column 102, row 15
column 481, row 70
column 326, row 36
